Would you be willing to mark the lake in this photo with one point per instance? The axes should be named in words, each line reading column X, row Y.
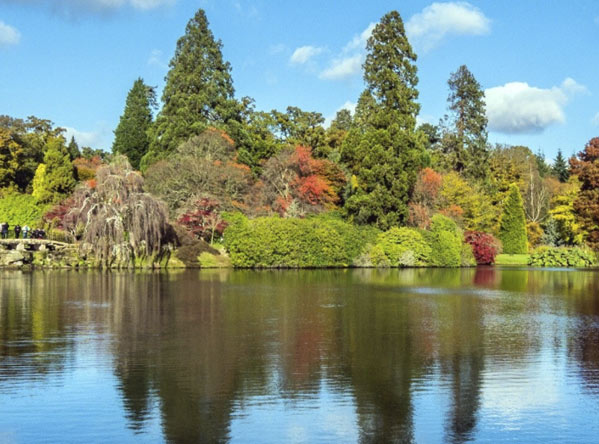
column 428, row 356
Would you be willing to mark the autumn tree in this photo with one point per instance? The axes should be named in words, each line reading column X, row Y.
column 383, row 150
column 131, row 135
column 512, row 228
column 586, row 205
column 198, row 92
column 465, row 139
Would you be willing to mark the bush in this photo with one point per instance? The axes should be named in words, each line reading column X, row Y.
column 445, row 240
column 468, row 259
column 562, row 257
column 274, row 242
column 404, row 247
column 485, row 247
column 21, row 209
column 378, row 258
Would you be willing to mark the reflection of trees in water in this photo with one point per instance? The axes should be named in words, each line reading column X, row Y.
column 32, row 325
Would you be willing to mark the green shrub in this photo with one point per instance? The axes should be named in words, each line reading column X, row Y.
column 21, row 209
column 404, row 247
column 319, row 241
column 468, row 259
column 512, row 228
column 562, row 257
column 60, row 236
column 445, row 240
column 378, row 258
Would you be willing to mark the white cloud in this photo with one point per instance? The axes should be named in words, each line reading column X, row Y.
column 276, row 49
column 304, row 53
column 427, row 28
column 8, row 35
column 595, row 120
column 343, row 67
column 359, row 41
column 517, row 107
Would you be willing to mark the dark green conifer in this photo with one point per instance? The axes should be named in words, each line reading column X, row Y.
column 560, row 168
column 512, row 228
column 383, row 150
column 131, row 135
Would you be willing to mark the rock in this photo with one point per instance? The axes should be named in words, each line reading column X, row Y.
column 12, row 258
column 20, row 246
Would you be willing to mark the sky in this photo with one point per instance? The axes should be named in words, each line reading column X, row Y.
column 73, row 61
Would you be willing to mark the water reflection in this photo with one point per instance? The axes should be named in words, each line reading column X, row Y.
column 338, row 355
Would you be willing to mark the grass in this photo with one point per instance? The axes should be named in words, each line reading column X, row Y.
column 512, row 259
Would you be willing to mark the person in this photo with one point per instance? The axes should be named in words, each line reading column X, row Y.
column 42, row 233
column 5, row 227
column 26, row 231
column 17, row 231
column 2, row 229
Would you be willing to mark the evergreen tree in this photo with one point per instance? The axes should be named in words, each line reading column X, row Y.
column 131, row 134
column 55, row 178
column 542, row 167
column 560, row 168
column 198, row 92
column 512, row 228
column 383, row 150
column 73, row 149
column 343, row 120
column 465, row 143
column 586, row 205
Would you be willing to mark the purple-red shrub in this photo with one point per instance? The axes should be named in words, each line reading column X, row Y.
column 485, row 246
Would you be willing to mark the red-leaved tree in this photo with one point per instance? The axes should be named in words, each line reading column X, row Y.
column 586, row 205
column 484, row 246
column 203, row 219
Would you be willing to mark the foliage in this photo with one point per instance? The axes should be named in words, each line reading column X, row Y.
column 562, row 257
column 445, row 240
column 73, row 149
column 383, row 149
column 563, row 212
column 466, row 203
column 465, row 140
column 397, row 242
column 586, row 204
column 485, row 246
column 203, row 219
column 560, row 168
column 86, row 168
column 551, row 234
column 304, row 128
column 311, row 242
column 54, row 179
column 293, row 183
column 512, row 229
column 122, row 225
column 202, row 167
column 198, row 91
column 535, row 234
column 21, row 209
column 131, row 135
column 377, row 256
column 22, row 146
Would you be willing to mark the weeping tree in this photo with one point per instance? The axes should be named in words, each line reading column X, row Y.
column 118, row 223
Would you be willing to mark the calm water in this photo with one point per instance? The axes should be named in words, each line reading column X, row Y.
column 424, row 356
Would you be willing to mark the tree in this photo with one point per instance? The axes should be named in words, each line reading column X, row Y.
column 586, row 205
column 198, row 92
column 383, row 150
column 542, row 166
column 73, row 149
column 203, row 219
column 512, row 228
column 55, row 178
column 121, row 223
column 560, row 167
column 131, row 135
column 465, row 143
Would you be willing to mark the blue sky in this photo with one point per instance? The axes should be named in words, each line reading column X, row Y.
column 73, row 61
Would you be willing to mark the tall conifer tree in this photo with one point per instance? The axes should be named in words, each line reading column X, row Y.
column 465, row 143
column 198, row 92
column 383, row 150
column 131, row 135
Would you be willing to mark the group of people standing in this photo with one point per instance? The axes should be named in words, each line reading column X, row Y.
column 27, row 232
